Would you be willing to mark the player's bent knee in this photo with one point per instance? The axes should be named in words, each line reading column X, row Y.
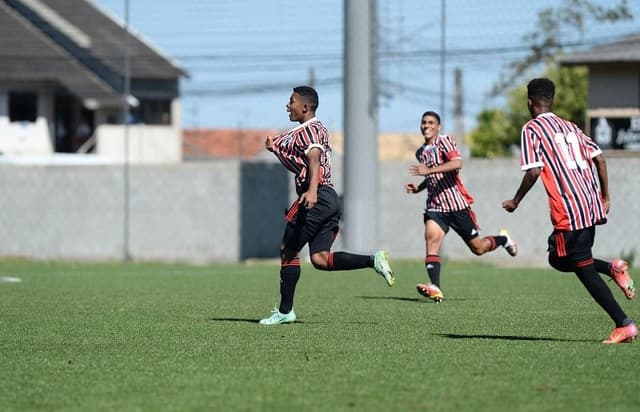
column 319, row 262
column 322, row 260
column 477, row 249
column 287, row 255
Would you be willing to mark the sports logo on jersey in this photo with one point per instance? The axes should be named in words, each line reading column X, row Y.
column 286, row 139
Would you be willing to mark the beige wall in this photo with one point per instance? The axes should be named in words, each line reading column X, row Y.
column 391, row 146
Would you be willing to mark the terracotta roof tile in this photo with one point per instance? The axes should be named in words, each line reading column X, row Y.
column 218, row 143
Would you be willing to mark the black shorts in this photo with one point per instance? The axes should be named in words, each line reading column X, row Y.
column 317, row 226
column 573, row 245
column 462, row 221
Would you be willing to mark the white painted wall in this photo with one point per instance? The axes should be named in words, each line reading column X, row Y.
column 27, row 138
column 147, row 144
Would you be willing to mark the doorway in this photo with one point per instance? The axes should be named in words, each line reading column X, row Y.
column 73, row 126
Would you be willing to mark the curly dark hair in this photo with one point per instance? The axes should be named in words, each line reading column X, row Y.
column 541, row 88
column 309, row 94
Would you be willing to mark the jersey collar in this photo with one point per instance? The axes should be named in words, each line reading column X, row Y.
column 313, row 119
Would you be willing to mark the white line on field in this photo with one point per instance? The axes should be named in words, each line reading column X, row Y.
column 9, row 279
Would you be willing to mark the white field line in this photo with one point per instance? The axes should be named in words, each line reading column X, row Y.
column 9, row 279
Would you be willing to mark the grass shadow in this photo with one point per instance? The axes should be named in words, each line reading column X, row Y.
column 418, row 299
column 509, row 337
column 398, row 298
column 243, row 320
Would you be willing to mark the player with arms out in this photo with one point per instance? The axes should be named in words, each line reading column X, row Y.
column 314, row 217
column 564, row 157
column 448, row 203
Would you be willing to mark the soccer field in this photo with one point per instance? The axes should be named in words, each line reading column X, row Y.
column 156, row 337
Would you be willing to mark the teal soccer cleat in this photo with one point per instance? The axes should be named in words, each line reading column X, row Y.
column 278, row 318
column 381, row 265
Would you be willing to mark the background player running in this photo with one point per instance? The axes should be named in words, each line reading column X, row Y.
column 448, row 203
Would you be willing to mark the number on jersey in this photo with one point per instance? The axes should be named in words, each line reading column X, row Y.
column 570, row 150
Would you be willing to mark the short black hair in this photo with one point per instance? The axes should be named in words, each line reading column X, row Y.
column 431, row 113
column 541, row 88
column 309, row 94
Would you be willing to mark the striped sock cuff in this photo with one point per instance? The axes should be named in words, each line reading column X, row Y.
column 293, row 262
column 493, row 244
column 432, row 259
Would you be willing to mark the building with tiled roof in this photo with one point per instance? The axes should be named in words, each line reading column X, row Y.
column 211, row 144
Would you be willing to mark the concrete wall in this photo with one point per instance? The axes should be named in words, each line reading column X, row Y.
column 229, row 211
column 185, row 212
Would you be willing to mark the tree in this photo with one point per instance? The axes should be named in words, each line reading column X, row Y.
column 550, row 37
column 498, row 130
column 493, row 135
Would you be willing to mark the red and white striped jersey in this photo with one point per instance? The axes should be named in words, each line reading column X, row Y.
column 445, row 191
column 565, row 155
column 291, row 149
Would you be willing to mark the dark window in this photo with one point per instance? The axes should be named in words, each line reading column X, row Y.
column 152, row 112
column 23, row 106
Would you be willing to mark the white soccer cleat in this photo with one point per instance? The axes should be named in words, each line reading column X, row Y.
column 511, row 246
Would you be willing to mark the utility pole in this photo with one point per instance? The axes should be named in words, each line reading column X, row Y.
column 360, row 126
column 126, row 251
column 458, row 109
column 443, row 46
column 312, row 77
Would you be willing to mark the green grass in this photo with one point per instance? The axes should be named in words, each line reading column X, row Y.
column 152, row 337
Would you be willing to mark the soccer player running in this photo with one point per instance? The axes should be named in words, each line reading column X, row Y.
column 314, row 217
column 558, row 151
column 448, row 203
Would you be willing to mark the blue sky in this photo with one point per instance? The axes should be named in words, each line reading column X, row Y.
column 244, row 57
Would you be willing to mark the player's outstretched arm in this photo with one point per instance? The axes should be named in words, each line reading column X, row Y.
column 528, row 180
column 412, row 188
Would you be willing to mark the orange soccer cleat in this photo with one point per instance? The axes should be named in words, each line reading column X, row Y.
column 620, row 274
column 430, row 291
column 623, row 334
